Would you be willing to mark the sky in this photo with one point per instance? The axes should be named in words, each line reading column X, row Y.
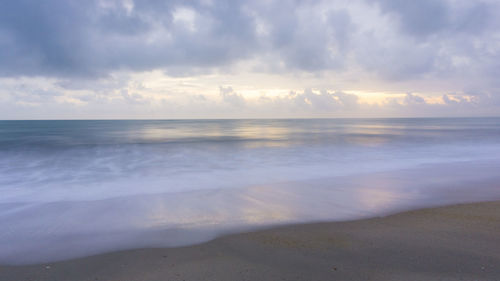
column 154, row 59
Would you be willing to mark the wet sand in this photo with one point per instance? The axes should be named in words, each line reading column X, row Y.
column 460, row 242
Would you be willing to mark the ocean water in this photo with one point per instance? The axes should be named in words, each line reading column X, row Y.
column 75, row 188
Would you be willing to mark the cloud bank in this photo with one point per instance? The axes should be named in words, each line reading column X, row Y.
column 91, row 53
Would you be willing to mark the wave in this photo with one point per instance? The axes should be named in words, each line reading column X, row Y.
column 74, row 188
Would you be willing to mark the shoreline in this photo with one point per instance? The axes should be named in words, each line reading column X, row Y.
column 441, row 243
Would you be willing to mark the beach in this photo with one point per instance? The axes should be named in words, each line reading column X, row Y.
column 459, row 242
column 147, row 140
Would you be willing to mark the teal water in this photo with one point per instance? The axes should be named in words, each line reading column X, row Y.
column 74, row 188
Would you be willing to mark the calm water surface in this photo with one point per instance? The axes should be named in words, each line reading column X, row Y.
column 75, row 188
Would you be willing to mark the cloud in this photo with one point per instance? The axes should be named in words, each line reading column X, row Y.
column 231, row 97
column 307, row 38
column 35, row 97
column 58, row 38
column 418, row 18
column 412, row 99
column 440, row 17
column 134, row 98
column 93, row 51
column 93, row 38
column 126, row 103
column 323, row 101
column 433, row 38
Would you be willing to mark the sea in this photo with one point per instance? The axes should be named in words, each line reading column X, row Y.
column 75, row 188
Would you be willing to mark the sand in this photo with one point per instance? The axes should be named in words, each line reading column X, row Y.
column 460, row 242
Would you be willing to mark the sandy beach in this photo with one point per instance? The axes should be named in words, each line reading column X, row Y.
column 460, row 242
column 213, row 140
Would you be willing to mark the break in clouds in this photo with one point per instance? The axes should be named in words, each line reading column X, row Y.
column 189, row 59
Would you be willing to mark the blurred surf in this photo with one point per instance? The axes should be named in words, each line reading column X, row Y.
column 74, row 188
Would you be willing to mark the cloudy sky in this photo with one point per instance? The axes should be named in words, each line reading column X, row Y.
column 248, row 59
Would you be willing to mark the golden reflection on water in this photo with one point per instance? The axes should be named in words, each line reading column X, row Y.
column 253, row 136
column 272, row 134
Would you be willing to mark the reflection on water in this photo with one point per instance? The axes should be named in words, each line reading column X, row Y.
column 73, row 188
column 37, row 232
